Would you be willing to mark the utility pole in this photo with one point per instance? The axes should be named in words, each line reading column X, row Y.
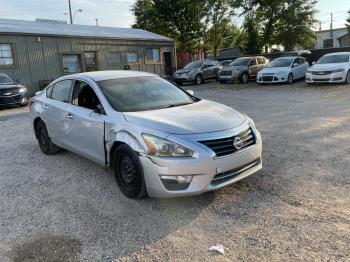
column 70, row 12
column 320, row 25
column 331, row 25
column 96, row 19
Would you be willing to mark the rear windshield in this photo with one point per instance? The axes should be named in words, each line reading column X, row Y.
column 332, row 59
column 143, row 93
column 281, row 62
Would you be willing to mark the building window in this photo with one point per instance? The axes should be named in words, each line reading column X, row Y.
column 328, row 43
column 113, row 57
column 6, row 55
column 152, row 55
column 90, row 61
column 71, row 64
column 132, row 57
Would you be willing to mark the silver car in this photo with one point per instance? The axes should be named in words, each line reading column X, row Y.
column 159, row 139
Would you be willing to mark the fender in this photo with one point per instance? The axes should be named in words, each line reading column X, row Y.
column 119, row 137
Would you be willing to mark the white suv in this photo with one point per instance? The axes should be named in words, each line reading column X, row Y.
column 330, row 68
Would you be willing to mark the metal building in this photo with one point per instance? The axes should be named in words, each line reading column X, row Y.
column 34, row 52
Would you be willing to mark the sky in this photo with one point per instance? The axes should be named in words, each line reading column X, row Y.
column 117, row 12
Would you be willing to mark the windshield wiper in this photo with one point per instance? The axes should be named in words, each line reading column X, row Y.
column 175, row 105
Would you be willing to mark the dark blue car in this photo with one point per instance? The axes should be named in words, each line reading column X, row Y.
column 12, row 93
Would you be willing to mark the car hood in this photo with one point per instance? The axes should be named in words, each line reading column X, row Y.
column 239, row 68
column 9, row 86
column 186, row 70
column 332, row 66
column 274, row 70
column 200, row 117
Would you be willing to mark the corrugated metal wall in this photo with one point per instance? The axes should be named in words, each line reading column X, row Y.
column 40, row 58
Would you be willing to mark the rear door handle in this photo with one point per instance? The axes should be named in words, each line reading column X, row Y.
column 70, row 116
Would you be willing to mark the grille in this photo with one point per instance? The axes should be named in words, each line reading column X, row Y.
column 9, row 100
column 322, row 80
column 224, row 146
column 228, row 175
column 226, row 73
column 321, row 72
column 267, row 78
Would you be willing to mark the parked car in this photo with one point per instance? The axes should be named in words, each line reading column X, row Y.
column 197, row 71
column 283, row 70
column 12, row 93
column 330, row 68
column 159, row 139
column 242, row 69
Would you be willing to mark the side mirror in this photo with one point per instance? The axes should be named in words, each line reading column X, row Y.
column 38, row 93
column 100, row 110
column 313, row 62
column 191, row 92
column 295, row 64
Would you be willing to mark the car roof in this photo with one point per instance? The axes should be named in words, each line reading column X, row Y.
column 112, row 74
column 3, row 74
column 290, row 57
column 338, row 53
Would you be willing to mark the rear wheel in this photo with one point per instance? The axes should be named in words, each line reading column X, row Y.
column 290, row 79
column 128, row 172
column 244, row 78
column 179, row 83
column 199, row 80
column 347, row 80
column 44, row 140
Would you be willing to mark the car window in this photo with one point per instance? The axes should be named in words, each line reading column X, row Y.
column 62, row 91
column 4, row 79
column 241, row 61
column 49, row 91
column 84, row 96
column 261, row 60
column 280, row 62
column 296, row 61
column 252, row 62
column 193, row 65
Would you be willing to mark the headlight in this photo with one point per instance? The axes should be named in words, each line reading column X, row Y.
column 164, row 148
column 280, row 73
column 22, row 90
column 308, row 71
column 339, row 70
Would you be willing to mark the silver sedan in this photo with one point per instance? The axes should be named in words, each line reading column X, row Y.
column 159, row 140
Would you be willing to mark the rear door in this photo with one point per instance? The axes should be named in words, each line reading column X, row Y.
column 54, row 109
column 84, row 132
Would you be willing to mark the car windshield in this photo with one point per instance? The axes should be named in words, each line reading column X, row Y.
column 194, row 64
column 241, row 62
column 142, row 94
column 5, row 79
column 332, row 59
column 281, row 62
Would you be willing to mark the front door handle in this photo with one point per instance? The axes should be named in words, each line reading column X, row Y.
column 70, row 116
column 45, row 106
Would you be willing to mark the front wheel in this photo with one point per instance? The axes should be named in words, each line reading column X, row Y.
column 128, row 172
column 290, row 79
column 244, row 78
column 347, row 80
column 199, row 80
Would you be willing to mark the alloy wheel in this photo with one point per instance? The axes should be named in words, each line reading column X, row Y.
column 290, row 79
column 199, row 80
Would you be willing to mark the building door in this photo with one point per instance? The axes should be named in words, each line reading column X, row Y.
column 71, row 64
column 90, row 61
column 168, row 68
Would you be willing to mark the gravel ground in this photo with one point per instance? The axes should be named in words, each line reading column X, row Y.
column 66, row 208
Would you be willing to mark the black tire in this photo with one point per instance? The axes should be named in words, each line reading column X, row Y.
column 128, row 172
column 199, row 80
column 290, row 79
column 244, row 78
column 222, row 82
column 179, row 83
column 347, row 79
column 44, row 140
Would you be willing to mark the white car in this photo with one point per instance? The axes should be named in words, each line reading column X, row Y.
column 283, row 70
column 330, row 68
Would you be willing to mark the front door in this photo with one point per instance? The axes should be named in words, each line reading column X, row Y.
column 168, row 68
column 85, row 128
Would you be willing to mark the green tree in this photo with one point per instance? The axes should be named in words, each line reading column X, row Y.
column 348, row 22
column 218, row 13
column 253, row 40
column 181, row 20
